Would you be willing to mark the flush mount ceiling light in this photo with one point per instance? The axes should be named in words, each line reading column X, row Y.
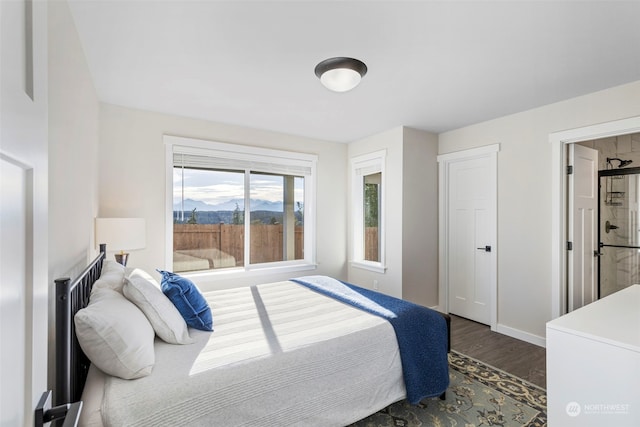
column 341, row 74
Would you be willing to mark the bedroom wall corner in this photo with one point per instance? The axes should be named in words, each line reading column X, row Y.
column 411, row 211
column 420, row 217
column 72, row 157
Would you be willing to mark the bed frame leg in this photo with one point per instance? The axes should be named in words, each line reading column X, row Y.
column 447, row 318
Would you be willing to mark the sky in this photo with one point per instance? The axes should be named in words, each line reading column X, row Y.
column 215, row 187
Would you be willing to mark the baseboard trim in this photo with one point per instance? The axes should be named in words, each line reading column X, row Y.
column 522, row 336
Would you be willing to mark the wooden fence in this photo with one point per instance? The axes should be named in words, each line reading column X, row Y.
column 371, row 244
column 223, row 244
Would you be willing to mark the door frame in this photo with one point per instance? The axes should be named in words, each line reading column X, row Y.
column 559, row 211
column 444, row 161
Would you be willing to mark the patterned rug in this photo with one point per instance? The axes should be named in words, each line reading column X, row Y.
column 478, row 395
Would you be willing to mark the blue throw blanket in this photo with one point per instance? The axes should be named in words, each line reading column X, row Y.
column 421, row 333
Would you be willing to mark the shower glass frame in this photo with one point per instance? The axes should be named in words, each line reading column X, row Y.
column 611, row 199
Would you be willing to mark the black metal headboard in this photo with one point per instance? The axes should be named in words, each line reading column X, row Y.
column 72, row 365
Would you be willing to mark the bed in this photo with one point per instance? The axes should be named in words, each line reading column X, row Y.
column 283, row 353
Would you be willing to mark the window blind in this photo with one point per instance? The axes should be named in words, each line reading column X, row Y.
column 213, row 159
column 368, row 164
column 368, row 170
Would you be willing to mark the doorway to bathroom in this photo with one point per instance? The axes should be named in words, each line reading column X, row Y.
column 561, row 229
column 619, row 227
column 617, row 254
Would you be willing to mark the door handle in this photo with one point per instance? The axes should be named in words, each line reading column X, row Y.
column 486, row 249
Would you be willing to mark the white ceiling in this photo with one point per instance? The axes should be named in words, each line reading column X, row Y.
column 432, row 65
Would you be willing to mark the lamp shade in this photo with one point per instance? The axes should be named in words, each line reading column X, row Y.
column 122, row 234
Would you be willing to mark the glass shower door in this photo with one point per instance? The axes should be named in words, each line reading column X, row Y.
column 619, row 232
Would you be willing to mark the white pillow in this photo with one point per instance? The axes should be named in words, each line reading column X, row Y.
column 115, row 335
column 111, row 277
column 133, row 272
column 142, row 290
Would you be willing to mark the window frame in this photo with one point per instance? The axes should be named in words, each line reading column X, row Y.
column 361, row 166
column 246, row 155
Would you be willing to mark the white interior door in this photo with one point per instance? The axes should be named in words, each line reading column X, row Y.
column 13, row 285
column 582, row 230
column 471, row 237
column 24, row 304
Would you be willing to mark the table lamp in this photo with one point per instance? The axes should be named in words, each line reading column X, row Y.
column 123, row 234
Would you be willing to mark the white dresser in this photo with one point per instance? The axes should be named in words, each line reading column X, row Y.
column 593, row 364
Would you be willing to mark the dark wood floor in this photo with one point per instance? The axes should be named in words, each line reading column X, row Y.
column 527, row 361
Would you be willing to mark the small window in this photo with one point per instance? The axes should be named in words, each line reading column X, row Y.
column 236, row 207
column 372, row 187
column 368, row 211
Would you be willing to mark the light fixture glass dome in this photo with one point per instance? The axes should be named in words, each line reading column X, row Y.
column 340, row 74
column 340, row 79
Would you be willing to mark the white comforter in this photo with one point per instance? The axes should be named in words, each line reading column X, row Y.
column 280, row 355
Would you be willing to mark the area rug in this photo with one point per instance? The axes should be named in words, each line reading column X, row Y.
column 478, row 395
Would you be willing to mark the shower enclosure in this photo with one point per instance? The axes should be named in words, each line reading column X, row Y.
column 619, row 230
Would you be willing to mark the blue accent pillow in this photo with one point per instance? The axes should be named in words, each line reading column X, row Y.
column 184, row 294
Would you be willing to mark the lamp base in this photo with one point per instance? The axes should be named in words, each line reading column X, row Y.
column 122, row 258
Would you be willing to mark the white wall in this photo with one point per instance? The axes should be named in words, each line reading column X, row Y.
column 524, row 196
column 73, row 157
column 132, row 182
column 73, row 148
column 420, row 217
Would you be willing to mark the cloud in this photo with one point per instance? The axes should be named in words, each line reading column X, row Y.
column 215, row 187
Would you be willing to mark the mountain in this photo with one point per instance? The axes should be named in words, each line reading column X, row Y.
column 227, row 206
column 256, row 205
column 190, row 204
column 266, row 205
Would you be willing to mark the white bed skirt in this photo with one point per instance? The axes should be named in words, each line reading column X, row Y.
column 280, row 355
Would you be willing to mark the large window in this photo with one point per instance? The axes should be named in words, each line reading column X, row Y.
column 238, row 207
column 368, row 211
